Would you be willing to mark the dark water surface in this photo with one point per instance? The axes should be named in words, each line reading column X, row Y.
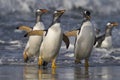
column 10, row 72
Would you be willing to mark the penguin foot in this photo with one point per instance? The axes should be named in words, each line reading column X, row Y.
column 77, row 61
column 86, row 63
column 40, row 62
column 54, row 64
column 25, row 57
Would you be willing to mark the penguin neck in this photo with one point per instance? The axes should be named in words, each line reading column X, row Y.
column 38, row 18
column 108, row 32
column 84, row 20
column 56, row 20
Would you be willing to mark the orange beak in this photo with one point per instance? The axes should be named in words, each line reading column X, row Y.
column 44, row 10
column 61, row 11
column 115, row 24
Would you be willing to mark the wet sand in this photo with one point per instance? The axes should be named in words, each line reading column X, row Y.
column 28, row 72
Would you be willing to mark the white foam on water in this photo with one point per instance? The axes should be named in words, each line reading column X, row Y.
column 1, row 41
column 99, row 6
column 18, row 31
column 100, row 55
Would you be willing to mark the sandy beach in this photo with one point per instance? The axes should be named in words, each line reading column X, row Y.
column 14, row 72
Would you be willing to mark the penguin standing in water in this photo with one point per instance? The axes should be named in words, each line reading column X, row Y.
column 52, row 41
column 85, row 37
column 34, row 42
column 105, row 40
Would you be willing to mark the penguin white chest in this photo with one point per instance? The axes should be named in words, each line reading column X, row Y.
column 52, row 42
column 85, row 41
column 35, row 41
column 107, row 43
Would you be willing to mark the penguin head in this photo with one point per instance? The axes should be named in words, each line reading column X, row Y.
column 41, row 11
column 57, row 14
column 86, row 14
column 111, row 24
column 109, row 28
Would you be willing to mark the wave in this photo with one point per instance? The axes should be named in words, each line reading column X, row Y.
column 28, row 6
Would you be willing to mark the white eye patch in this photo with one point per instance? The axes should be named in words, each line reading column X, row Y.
column 38, row 10
column 85, row 12
column 108, row 23
column 55, row 11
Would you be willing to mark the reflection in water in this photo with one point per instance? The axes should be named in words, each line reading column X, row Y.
column 76, row 73
column 33, row 73
column 63, row 73
column 81, row 73
column 106, row 73
column 47, row 74
column 30, row 73
column 8, row 72
column 71, row 73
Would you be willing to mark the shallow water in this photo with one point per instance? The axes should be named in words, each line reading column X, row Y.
column 10, row 72
column 12, row 42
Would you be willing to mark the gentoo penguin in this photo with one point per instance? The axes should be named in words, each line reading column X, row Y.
column 85, row 37
column 34, row 42
column 105, row 40
column 52, row 41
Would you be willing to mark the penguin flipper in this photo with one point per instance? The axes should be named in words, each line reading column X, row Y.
column 35, row 32
column 71, row 33
column 99, row 39
column 66, row 40
column 24, row 28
